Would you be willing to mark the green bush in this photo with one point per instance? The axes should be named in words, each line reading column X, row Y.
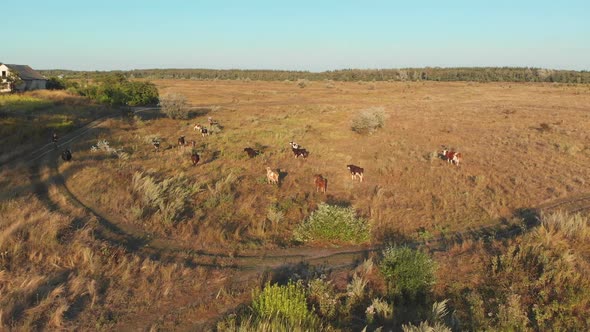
column 333, row 223
column 367, row 122
column 286, row 302
column 116, row 90
column 408, row 272
column 55, row 83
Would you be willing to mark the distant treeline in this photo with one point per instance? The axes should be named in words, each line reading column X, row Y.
column 477, row 74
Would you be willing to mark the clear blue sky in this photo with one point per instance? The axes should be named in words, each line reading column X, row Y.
column 303, row 35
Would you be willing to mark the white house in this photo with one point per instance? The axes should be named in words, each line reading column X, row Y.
column 32, row 80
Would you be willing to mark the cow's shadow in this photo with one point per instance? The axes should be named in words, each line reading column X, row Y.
column 199, row 111
column 282, row 175
column 332, row 200
column 214, row 156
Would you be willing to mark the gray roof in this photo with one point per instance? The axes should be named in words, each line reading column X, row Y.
column 25, row 72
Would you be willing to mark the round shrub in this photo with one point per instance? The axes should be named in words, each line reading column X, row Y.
column 333, row 223
column 175, row 106
column 408, row 272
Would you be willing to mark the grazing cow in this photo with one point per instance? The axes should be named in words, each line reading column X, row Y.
column 251, row 152
column 271, row 176
column 321, row 183
column 156, row 144
column 212, row 122
column 356, row 171
column 301, row 153
column 181, row 141
column 195, row 158
column 193, row 143
column 203, row 130
column 451, row 156
column 66, row 155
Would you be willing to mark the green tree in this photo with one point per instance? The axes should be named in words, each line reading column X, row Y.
column 12, row 81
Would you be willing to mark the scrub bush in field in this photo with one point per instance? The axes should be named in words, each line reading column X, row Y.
column 287, row 302
column 333, row 223
column 276, row 308
column 368, row 121
column 408, row 272
column 175, row 106
column 169, row 197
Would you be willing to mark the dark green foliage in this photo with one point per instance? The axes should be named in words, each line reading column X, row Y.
column 408, row 272
column 116, row 90
column 478, row 74
column 55, row 83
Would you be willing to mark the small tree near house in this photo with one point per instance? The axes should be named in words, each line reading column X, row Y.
column 10, row 81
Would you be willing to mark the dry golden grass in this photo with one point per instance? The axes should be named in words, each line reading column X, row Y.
column 510, row 162
column 54, row 271
column 523, row 144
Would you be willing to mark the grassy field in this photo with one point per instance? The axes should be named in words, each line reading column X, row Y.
column 522, row 145
column 126, row 237
column 28, row 119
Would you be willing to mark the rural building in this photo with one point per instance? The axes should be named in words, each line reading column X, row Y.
column 32, row 80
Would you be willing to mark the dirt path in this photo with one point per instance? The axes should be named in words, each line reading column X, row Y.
column 244, row 267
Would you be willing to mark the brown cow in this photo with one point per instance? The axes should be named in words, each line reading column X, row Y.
column 181, row 141
column 356, row 171
column 321, row 183
column 195, row 158
column 251, row 152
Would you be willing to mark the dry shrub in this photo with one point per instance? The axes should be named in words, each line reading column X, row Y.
column 175, row 106
column 169, row 197
column 572, row 226
column 302, row 83
column 368, row 121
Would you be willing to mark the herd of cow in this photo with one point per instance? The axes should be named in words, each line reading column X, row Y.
column 321, row 183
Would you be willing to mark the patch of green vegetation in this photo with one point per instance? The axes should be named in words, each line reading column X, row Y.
column 275, row 308
column 333, row 223
column 22, row 103
column 117, row 90
column 408, row 272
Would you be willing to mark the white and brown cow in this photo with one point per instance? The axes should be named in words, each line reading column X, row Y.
column 451, row 156
column 204, row 131
column 356, row 171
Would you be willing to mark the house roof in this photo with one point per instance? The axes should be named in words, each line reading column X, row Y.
column 25, row 72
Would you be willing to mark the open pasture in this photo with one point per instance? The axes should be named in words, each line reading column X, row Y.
column 125, row 236
column 522, row 145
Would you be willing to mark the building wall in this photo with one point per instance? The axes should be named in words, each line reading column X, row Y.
column 26, row 86
column 3, row 88
column 35, row 85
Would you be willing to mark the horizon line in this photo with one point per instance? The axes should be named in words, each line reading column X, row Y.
column 319, row 72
